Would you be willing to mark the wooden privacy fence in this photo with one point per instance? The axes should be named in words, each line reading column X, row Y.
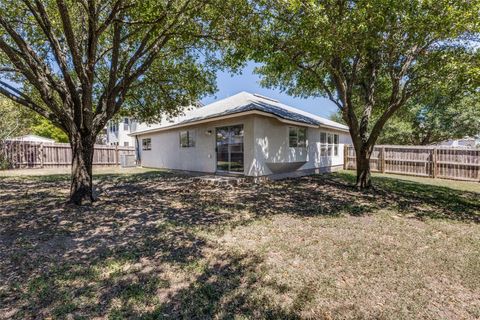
column 433, row 162
column 22, row 154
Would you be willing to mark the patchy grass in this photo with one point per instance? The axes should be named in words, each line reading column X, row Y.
column 159, row 245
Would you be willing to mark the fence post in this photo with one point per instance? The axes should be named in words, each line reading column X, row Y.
column 345, row 156
column 434, row 162
column 41, row 155
column 117, row 159
column 382, row 157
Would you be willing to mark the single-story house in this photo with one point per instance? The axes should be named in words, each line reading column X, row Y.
column 246, row 134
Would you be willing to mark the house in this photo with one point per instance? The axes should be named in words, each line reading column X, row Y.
column 245, row 134
column 465, row 143
column 118, row 132
column 33, row 138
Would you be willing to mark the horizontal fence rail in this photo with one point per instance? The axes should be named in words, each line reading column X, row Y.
column 22, row 154
column 433, row 162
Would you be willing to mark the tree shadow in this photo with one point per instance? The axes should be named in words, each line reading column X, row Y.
column 146, row 249
column 424, row 200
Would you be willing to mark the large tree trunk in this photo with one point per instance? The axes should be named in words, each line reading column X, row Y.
column 363, row 169
column 82, row 159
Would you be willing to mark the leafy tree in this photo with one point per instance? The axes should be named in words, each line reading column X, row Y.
column 17, row 120
column 13, row 121
column 448, row 110
column 434, row 119
column 45, row 128
column 78, row 63
column 369, row 57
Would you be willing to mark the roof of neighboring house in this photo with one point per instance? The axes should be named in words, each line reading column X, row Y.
column 243, row 103
column 33, row 138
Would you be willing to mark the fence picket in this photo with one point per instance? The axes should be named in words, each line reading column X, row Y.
column 424, row 161
column 23, row 154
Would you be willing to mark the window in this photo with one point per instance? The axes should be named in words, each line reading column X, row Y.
column 335, row 144
column 126, row 143
column 147, row 144
column 113, row 127
column 330, row 138
column 125, row 124
column 323, row 144
column 328, row 144
column 323, row 137
column 187, row 139
column 297, row 137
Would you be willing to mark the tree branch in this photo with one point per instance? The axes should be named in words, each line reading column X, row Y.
column 19, row 97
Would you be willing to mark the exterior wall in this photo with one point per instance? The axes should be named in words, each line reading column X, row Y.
column 121, row 136
column 271, row 147
column 265, row 143
column 167, row 153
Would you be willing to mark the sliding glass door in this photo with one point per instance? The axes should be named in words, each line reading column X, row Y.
column 230, row 149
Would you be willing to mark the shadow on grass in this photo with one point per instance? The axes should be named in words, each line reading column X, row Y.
column 139, row 252
column 426, row 201
column 145, row 250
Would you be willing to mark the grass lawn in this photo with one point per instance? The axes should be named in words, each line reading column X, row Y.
column 160, row 246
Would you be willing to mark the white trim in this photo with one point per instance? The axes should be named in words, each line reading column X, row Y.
column 216, row 150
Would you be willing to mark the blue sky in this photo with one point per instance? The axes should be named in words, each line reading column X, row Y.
column 248, row 81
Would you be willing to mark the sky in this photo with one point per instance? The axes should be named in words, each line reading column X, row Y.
column 229, row 85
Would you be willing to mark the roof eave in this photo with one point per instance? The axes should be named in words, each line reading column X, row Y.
column 212, row 119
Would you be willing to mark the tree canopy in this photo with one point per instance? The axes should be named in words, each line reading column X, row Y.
column 78, row 63
column 369, row 57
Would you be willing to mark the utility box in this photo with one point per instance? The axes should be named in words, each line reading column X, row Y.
column 127, row 160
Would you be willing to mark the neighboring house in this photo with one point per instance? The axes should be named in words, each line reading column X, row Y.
column 118, row 132
column 467, row 143
column 33, row 138
column 245, row 134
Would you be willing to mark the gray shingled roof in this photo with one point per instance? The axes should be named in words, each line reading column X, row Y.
column 240, row 103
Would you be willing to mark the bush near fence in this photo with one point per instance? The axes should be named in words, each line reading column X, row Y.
column 23, row 154
column 424, row 161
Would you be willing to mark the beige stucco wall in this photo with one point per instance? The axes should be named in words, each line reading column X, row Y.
column 265, row 141
column 167, row 153
column 271, row 146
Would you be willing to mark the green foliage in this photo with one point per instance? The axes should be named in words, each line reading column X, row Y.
column 429, row 122
column 369, row 57
column 148, row 58
column 13, row 119
column 45, row 128
column 16, row 120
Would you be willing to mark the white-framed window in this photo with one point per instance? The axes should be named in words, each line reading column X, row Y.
column 147, row 144
column 187, row 139
column 323, row 144
column 335, row 144
column 329, row 143
column 125, row 124
column 297, row 137
column 126, row 144
column 113, row 127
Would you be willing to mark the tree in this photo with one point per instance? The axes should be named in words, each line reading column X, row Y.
column 13, row 121
column 367, row 56
column 78, row 63
column 446, row 111
column 45, row 128
column 17, row 120
column 434, row 118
